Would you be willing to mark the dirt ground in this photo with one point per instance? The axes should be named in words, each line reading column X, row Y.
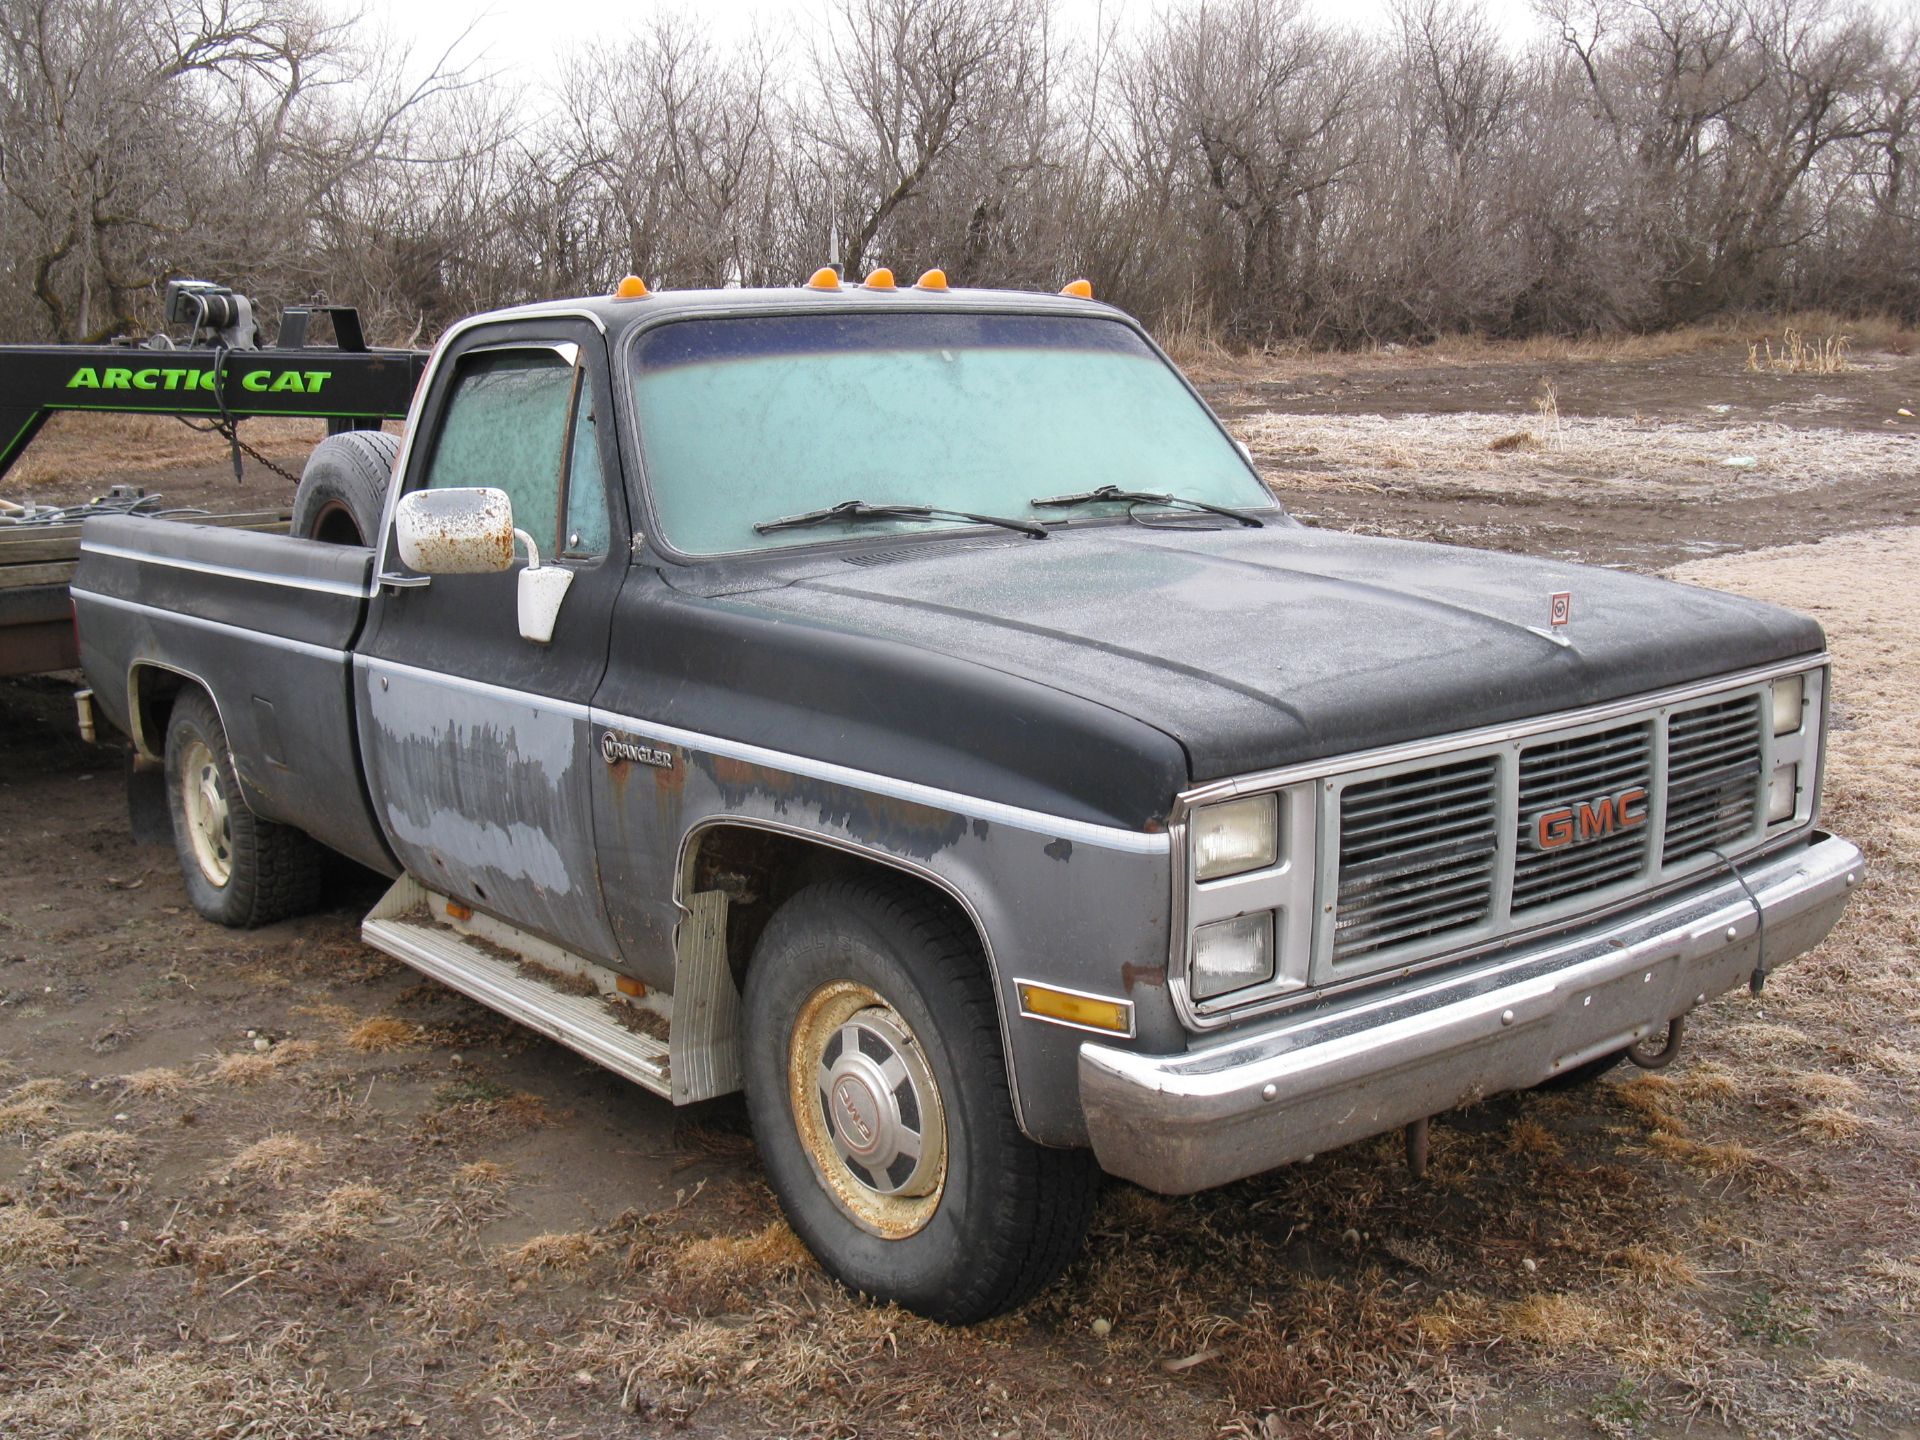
column 273, row 1184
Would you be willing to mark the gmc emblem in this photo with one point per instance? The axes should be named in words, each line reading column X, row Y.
column 1589, row 820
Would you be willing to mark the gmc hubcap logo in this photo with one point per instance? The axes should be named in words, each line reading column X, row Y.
column 1589, row 820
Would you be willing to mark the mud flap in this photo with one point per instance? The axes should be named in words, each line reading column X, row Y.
column 147, row 809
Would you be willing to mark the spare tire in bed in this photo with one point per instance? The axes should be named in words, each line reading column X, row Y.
column 343, row 490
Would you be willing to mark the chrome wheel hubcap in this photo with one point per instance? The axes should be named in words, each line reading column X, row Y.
column 207, row 816
column 868, row 1109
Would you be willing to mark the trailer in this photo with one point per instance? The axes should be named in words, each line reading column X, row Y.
column 219, row 377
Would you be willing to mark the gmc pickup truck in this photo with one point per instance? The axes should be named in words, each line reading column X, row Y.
column 908, row 706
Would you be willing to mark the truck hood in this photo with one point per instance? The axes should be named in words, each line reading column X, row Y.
column 1260, row 648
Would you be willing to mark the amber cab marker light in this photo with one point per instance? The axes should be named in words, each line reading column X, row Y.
column 1078, row 289
column 881, row 279
column 631, row 288
column 932, row 280
column 825, row 278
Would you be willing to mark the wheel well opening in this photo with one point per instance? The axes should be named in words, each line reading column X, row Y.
column 335, row 525
column 154, row 692
column 758, row 870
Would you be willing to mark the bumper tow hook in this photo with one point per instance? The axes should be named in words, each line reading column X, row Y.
column 1661, row 1056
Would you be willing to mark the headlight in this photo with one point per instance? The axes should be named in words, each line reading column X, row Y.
column 1235, row 836
column 1789, row 700
column 1783, row 794
column 1232, row 954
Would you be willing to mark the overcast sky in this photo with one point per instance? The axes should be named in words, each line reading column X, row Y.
column 521, row 39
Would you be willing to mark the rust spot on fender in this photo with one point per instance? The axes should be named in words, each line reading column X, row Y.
column 1150, row 975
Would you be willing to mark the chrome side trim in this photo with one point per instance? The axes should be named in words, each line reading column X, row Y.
column 1102, row 837
column 228, row 572
column 140, row 741
column 299, row 647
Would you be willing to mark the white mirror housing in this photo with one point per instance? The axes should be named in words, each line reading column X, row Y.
column 455, row 531
column 542, row 588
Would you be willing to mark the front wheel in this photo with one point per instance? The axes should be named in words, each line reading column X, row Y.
column 239, row 870
column 878, row 1093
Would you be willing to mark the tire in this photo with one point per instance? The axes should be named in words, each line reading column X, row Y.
column 239, row 869
column 343, row 489
column 1581, row 1075
column 982, row 1218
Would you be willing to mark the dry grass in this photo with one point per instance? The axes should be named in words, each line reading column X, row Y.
column 571, row 1253
column 275, row 1159
column 183, row 1395
column 1800, row 354
column 35, row 1240
column 1731, row 1158
column 102, row 1152
column 378, row 1033
column 156, row 1082
column 1589, row 460
column 1560, row 1322
column 1661, row 1268
column 32, row 1109
column 76, row 448
column 1831, row 1124
column 475, row 1193
column 771, row 1252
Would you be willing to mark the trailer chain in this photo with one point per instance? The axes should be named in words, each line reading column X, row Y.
column 229, row 430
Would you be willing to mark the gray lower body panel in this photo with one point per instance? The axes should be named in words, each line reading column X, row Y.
column 1182, row 1123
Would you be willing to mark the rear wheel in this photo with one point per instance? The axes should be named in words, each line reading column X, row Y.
column 878, row 1092
column 343, row 489
column 239, row 869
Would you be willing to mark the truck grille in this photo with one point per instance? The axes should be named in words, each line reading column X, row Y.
column 1418, row 855
column 1431, row 856
column 1713, row 776
column 1566, row 774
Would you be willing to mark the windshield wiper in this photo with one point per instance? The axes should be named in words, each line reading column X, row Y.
column 1147, row 497
column 849, row 510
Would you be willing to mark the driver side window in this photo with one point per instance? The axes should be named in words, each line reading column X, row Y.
column 522, row 421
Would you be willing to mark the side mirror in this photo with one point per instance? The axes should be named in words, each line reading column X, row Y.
column 455, row 532
column 470, row 532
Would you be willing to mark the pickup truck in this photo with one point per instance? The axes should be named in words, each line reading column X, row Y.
column 908, row 706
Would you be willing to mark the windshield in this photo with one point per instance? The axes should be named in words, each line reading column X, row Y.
column 748, row 419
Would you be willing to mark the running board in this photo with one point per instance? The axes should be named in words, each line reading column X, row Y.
column 403, row 925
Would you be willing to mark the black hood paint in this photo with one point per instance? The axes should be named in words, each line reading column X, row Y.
column 1254, row 649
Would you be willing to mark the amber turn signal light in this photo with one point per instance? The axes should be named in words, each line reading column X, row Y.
column 1078, row 289
column 1088, row 1012
column 881, row 279
column 932, row 280
column 825, row 278
column 631, row 288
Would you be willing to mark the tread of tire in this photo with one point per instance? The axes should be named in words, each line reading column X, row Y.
column 367, row 455
column 286, row 862
column 1053, row 1188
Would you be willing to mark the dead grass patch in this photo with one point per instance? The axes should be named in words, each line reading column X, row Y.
column 1661, row 1268
column 379, row 1033
column 475, row 1193
column 242, row 1068
column 100, row 1152
column 32, row 1110
column 1530, row 1137
column 35, row 1240
column 76, row 448
column 275, row 1158
column 1800, row 354
column 1560, row 1322
column 181, row 1396
column 1831, row 1124
column 156, row 1082
column 772, row 1252
column 570, row 1253
column 1728, row 1158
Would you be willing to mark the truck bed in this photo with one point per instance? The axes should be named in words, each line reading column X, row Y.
column 266, row 624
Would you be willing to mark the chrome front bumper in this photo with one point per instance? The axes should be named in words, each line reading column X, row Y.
column 1181, row 1123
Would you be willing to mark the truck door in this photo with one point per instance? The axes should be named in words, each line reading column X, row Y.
column 476, row 740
